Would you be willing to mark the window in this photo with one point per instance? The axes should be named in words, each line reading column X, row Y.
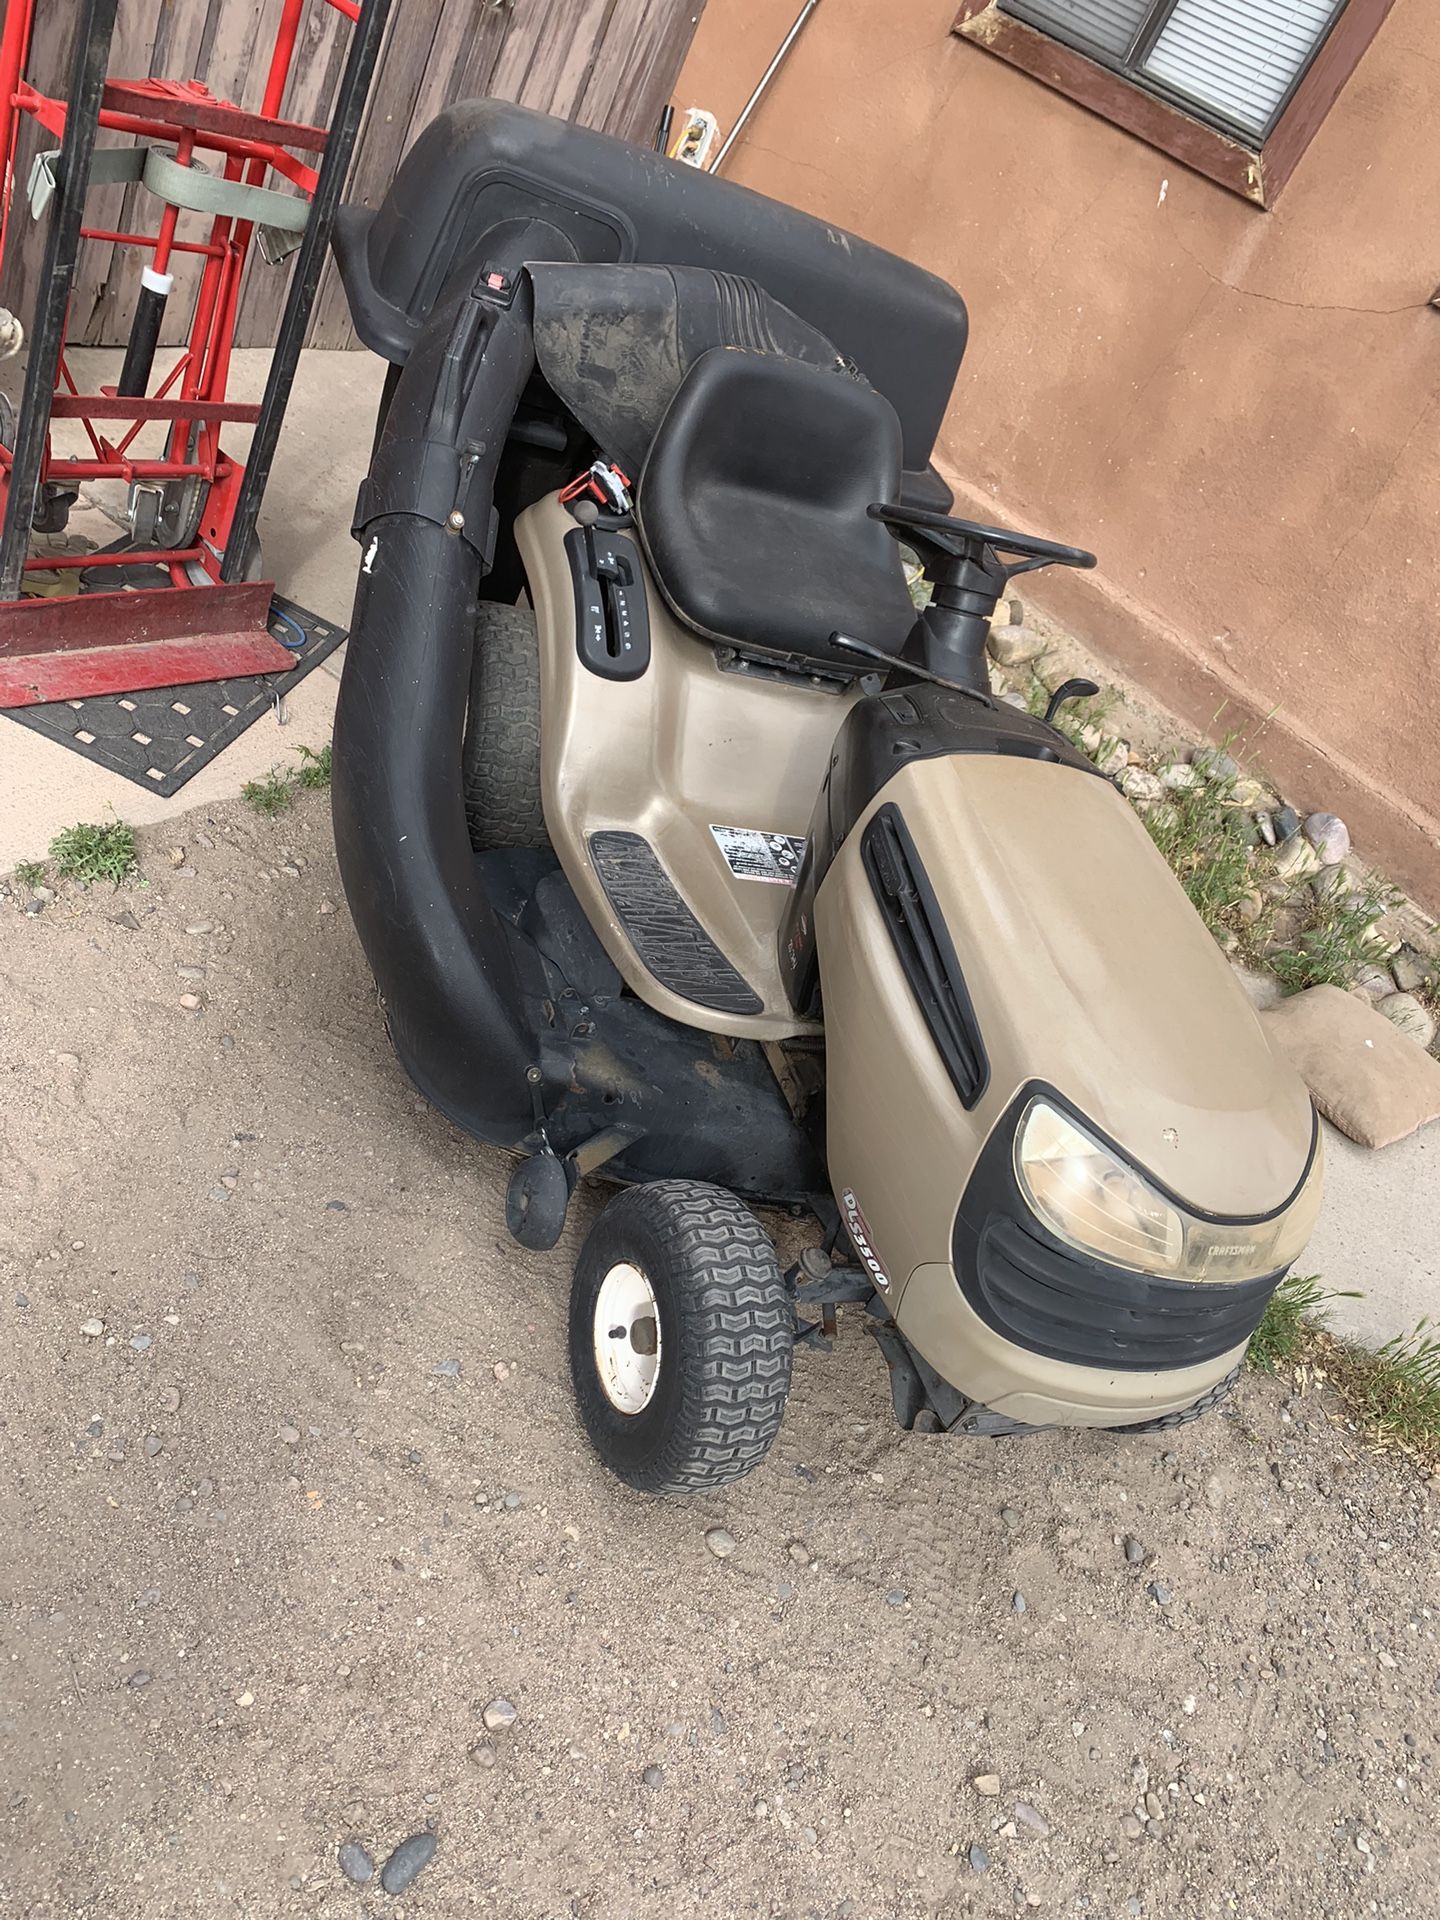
column 1232, row 88
column 1232, row 62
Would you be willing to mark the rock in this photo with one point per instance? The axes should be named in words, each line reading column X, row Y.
column 1407, row 1013
column 1215, row 764
column 1329, row 836
column 1160, row 1593
column 1017, row 1603
column 355, row 1863
column 1011, row 646
column 1296, row 859
column 1332, row 883
column 410, row 1858
column 290, row 1435
column 1132, row 1827
column 1265, row 827
column 170, row 1399
column 139, row 1678
column 979, row 1859
column 513, row 1500
column 499, row 1715
column 1250, row 907
column 1134, row 1551
column 896, row 1597
column 653, row 1776
column 126, row 920
column 799, row 1553
column 1412, row 970
column 720, row 1542
column 1141, row 787
column 1153, row 1805
column 446, row 1369
column 1179, row 777
column 191, row 1002
column 176, row 856
column 1250, row 793
column 482, row 1754
column 1029, row 1817
column 142, row 1342
column 1287, row 824
column 92, row 1328
column 987, row 1785
column 153, row 1445
column 1009, row 1517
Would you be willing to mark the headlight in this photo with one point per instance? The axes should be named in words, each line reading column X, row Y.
column 1090, row 1198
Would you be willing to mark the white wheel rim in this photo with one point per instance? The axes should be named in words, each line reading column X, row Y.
column 627, row 1338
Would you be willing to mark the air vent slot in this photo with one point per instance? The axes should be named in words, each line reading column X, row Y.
column 925, row 951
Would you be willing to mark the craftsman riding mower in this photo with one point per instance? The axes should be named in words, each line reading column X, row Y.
column 684, row 851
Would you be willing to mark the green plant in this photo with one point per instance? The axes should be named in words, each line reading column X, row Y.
column 314, row 769
column 29, row 873
column 1335, row 941
column 1393, row 1393
column 89, row 853
column 1206, row 842
column 270, row 796
column 1297, row 1308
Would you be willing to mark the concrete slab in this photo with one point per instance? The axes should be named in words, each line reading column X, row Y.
column 1379, row 1232
column 304, row 531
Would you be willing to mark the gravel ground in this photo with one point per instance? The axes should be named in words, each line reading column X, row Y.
column 306, row 1551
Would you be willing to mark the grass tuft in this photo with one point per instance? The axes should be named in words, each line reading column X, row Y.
column 270, row 796
column 1296, row 1309
column 1206, row 843
column 30, row 873
column 89, row 853
column 1395, row 1392
column 314, row 769
column 1336, row 940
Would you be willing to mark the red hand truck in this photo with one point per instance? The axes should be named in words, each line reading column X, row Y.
column 193, row 511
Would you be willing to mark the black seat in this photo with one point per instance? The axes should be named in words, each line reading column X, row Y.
column 752, row 507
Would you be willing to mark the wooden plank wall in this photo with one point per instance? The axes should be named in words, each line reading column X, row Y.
column 605, row 63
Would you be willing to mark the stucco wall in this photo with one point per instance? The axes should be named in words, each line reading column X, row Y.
column 1240, row 411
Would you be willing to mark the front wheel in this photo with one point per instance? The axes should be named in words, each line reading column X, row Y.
column 680, row 1337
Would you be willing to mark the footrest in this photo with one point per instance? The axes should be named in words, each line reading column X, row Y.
column 670, row 941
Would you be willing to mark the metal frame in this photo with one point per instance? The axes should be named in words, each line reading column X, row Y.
column 1130, row 65
column 192, row 397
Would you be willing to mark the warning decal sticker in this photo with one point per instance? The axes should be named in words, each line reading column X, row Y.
column 752, row 855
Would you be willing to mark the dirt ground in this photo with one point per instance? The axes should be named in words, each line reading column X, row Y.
column 270, row 1552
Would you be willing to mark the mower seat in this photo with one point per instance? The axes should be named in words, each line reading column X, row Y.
column 752, row 507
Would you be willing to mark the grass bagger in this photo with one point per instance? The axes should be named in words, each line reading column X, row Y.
column 685, row 851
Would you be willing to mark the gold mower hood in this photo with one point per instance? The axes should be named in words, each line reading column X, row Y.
column 1094, row 988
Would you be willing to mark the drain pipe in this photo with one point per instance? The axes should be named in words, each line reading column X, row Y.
column 769, row 74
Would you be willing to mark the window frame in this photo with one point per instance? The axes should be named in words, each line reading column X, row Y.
column 1256, row 170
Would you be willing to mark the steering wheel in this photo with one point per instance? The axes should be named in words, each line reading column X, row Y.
column 966, row 539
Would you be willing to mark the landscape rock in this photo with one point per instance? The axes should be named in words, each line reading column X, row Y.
column 720, row 1542
column 499, row 1715
column 1374, row 982
column 987, row 1785
column 1030, row 1817
column 979, row 1859
column 1414, row 970
column 1179, row 777
column 1140, row 786
column 355, row 1863
column 1134, row 1551
column 1011, row 646
column 1287, row 823
column 653, row 1776
column 92, row 1328
column 1329, row 836
column 1296, row 859
column 482, row 1754
column 1332, row 883
column 1265, row 827
column 1215, row 764
column 1407, row 1013
column 410, row 1858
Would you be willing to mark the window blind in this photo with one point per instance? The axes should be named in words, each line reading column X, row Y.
column 1239, row 58
column 1233, row 61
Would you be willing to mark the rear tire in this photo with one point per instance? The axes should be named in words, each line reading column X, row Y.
column 501, row 762
column 689, row 1394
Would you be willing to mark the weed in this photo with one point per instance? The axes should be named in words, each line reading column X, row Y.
column 1206, row 842
column 1296, row 1309
column 30, row 873
column 1335, row 941
column 89, row 853
column 314, row 768
column 270, row 796
column 1395, row 1392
